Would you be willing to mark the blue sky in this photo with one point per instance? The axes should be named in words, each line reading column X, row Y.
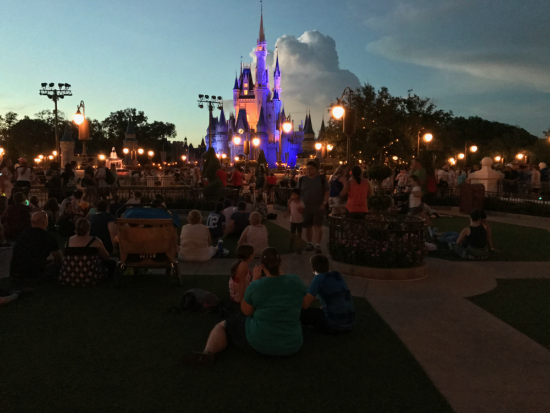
column 486, row 58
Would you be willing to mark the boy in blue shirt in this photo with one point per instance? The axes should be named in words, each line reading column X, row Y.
column 337, row 312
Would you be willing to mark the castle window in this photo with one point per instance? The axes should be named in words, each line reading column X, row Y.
column 246, row 85
column 246, row 92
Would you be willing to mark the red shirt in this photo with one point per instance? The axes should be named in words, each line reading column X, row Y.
column 237, row 178
column 220, row 173
column 272, row 180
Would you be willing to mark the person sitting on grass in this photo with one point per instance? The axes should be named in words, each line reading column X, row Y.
column 228, row 210
column 260, row 207
column 296, row 212
column 195, row 240
column 66, row 221
column 337, row 312
column 270, row 319
column 471, row 243
column 17, row 217
column 255, row 234
column 102, row 225
column 241, row 276
column 86, row 260
column 32, row 249
column 239, row 220
column 216, row 222
column 451, row 236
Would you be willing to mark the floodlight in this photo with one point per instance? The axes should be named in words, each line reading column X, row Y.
column 51, row 85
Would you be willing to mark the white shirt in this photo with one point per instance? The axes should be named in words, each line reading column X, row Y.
column 442, row 174
column 296, row 217
column 415, row 201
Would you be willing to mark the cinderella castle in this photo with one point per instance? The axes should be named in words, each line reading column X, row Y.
column 260, row 114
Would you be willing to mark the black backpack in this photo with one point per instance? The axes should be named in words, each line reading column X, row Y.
column 200, row 301
column 109, row 177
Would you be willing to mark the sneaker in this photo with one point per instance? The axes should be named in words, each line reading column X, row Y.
column 198, row 358
column 309, row 247
column 318, row 249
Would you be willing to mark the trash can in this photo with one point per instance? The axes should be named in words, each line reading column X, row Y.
column 472, row 197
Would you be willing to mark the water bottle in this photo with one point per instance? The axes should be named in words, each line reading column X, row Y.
column 220, row 248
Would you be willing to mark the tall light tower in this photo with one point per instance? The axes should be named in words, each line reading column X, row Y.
column 210, row 101
column 49, row 90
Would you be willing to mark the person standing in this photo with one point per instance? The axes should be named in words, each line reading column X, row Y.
column 237, row 178
column 23, row 176
column 101, row 178
column 418, row 170
column 6, row 177
column 314, row 191
column 336, row 183
column 358, row 189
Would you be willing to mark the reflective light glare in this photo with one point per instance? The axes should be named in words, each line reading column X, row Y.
column 78, row 118
column 287, row 127
column 338, row 112
column 237, row 140
column 126, row 150
column 428, row 137
column 461, row 156
column 318, row 146
column 140, row 151
column 255, row 141
column 497, row 158
column 473, row 148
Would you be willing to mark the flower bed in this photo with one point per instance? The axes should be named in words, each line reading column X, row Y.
column 377, row 240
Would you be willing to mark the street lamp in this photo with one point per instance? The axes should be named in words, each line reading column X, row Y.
column 49, row 90
column 461, row 156
column 428, row 137
column 473, row 148
column 126, row 151
column 318, row 146
column 210, row 101
column 348, row 116
column 330, row 147
column 83, row 130
column 519, row 156
column 150, row 154
column 54, row 153
column 237, row 140
column 497, row 158
column 101, row 157
column 140, row 151
column 255, row 142
column 183, row 158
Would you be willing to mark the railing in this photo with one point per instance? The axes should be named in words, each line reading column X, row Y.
column 175, row 197
column 377, row 240
column 282, row 195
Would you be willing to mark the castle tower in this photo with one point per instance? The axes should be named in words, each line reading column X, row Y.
column 322, row 131
column 221, row 134
column 67, row 146
column 262, row 75
column 308, row 144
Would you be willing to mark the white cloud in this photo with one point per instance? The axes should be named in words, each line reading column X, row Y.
column 505, row 42
column 311, row 76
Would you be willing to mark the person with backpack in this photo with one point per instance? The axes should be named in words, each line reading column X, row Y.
column 269, row 323
column 314, row 192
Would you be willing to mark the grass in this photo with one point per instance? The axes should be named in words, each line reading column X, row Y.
column 523, row 304
column 116, row 350
column 515, row 242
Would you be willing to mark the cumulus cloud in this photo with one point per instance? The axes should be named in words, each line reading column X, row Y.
column 504, row 42
column 311, row 76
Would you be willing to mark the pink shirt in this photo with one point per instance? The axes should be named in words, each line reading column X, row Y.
column 296, row 217
column 357, row 196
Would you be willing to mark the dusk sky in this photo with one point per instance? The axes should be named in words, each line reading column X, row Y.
column 473, row 57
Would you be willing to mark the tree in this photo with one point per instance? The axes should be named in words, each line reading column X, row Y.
column 379, row 139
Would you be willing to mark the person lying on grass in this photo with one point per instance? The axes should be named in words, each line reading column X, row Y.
column 270, row 320
column 241, row 276
column 337, row 312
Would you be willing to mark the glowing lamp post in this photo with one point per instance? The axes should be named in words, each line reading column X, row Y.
column 347, row 114
column 255, row 142
column 83, row 131
column 150, row 154
column 520, row 156
column 498, row 158
column 184, row 158
column 64, row 89
column 140, row 151
column 101, row 157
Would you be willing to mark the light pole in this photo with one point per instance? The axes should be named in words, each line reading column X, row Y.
column 348, row 117
column 323, row 148
column 255, row 142
column 83, row 130
column 286, row 126
column 54, row 94
column 210, row 101
column 427, row 137
column 150, row 154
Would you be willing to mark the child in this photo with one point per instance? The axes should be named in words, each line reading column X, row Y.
column 241, row 276
column 261, row 207
column 296, row 212
column 337, row 312
column 255, row 234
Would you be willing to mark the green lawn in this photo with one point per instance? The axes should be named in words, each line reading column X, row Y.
column 523, row 304
column 111, row 349
column 515, row 242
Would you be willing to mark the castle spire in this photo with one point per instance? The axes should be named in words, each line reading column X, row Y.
column 261, row 39
column 277, row 71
